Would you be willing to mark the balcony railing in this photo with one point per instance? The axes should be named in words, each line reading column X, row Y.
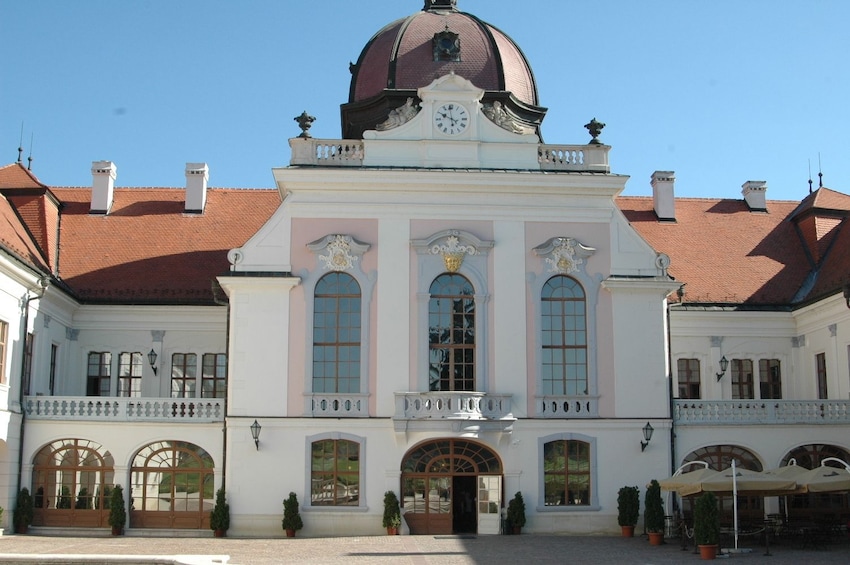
column 567, row 406
column 338, row 405
column 350, row 153
column 114, row 409
column 452, row 406
column 761, row 412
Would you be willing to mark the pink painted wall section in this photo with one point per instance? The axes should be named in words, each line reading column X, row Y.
column 597, row 236
column 306, row 231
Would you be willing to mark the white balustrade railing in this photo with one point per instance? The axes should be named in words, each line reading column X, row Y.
column 350, row 153
column 593, row 158
column 452, row 405
column 326, row 152
column 338, row 405
column 561, row 406
column 121, row 409
column 761, row 412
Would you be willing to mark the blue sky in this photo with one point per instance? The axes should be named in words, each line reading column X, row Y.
column 720, row 91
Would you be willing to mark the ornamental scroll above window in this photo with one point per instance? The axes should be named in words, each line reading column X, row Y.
column 564, row 255
column 338, row 252
column 452, row 251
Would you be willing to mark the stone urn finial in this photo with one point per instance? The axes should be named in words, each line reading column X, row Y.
column 594, row 128
column 305, row 121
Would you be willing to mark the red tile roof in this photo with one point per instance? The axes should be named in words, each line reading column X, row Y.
column 725, row 253
column 146, row 250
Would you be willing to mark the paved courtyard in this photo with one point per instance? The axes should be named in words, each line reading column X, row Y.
column 398, row 550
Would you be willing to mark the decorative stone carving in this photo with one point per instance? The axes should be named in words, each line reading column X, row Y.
column 563, row 255
column 446, row 46
column 399, row 116
column 496, row 113
column 338, row 252
column 453, row 252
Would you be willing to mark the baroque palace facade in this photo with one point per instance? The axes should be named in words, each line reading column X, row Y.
column 437, row 304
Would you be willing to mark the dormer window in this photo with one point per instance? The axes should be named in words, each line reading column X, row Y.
column 446, row 46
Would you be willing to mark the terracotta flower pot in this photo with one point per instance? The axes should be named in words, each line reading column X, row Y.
column 708, row 552
column 219, row 533
column 628, row 531
column 656, row 538
column 392, row 531
column 117, row 530
column 290, row 533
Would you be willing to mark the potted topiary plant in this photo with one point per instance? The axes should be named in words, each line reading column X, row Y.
column 706, row 525
column 653, row 514
column 291, row 518
column 220, row 515
column 117, row 512
column 23, row 513
column 516, row 514
column 628, row 510
column 392, row 513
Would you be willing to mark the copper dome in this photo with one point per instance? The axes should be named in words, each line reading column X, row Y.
column 407, row 54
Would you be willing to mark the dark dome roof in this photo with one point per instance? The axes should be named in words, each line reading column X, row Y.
column 401, row 55
column 406, row 55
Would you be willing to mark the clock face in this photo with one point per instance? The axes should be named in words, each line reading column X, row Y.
column 451, row 119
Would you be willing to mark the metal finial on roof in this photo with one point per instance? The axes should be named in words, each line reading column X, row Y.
column 21, row 143
column 820, row 174
column 810, row 176
column 29, row 159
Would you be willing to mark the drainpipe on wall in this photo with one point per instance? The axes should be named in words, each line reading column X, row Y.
column 226, row 304
column 43, row 283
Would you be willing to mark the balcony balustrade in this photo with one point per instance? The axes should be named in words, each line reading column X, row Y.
column 562, row 406
column 350, row 153
column 338, row 405
column 719, row 412
column 121, row 409
column 452, row 406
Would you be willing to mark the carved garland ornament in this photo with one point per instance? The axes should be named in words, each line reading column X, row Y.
column 453, row 253
column 338, row 252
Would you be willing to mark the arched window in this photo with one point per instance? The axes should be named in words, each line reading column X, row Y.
column 336, row 334
column 172, row 486
column 335, row 473
column 816, row 506
column 451, row 334
column 72, row 481
column 564, row 337
column 719, row 458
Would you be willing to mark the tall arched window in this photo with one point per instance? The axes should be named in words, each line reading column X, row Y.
column 451, row 334
column 336, row 334
column 564, row 337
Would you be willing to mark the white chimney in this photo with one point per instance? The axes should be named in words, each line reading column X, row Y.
column 663, row 198
column 103, row 184
column 197, row 175
column 755, row 193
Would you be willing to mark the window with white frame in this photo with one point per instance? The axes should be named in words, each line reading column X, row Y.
column 130, row 374
column 98, row 373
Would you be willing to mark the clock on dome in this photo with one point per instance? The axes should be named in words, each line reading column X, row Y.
column 451, row 118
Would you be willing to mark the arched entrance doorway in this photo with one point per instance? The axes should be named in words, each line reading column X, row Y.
column 719, row 458
column 172, row 486
column 816, row 506
column 451, row 486
column 72, row 481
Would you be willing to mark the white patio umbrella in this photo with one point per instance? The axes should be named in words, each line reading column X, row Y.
column 826, row 478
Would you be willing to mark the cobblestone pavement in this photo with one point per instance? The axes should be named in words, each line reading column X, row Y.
column 398, row 550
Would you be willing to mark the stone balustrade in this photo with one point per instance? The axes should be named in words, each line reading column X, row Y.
column 338, row 405
column 562, row 406
column 350, row 153
column 121, row 409
column 701, row 412
column 452, row 405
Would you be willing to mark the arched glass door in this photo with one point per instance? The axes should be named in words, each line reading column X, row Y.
column 451, row 486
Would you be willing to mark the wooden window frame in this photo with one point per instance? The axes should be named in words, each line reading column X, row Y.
column 337, row 334
column 184, row 385
column 564, row 337
column 213, row 385
column 451, row 347
column 770, row 379
column 95, row 380
column 130, row 366
column 689, row 378
column 743, row 384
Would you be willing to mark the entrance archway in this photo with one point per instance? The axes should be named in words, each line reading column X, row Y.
column 451, row 486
